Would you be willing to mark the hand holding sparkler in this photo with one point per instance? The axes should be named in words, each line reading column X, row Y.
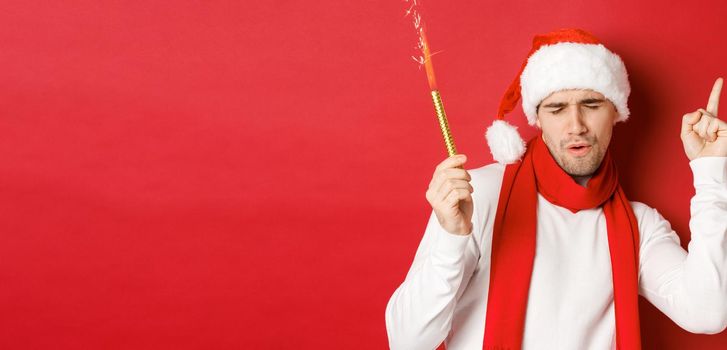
column 450, row 194
column 450, row 191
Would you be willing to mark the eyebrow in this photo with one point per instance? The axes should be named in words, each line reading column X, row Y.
column 586, row 101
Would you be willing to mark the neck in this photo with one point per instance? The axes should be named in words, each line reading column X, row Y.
column 582, row 180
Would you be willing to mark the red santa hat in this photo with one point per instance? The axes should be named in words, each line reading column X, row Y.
column 559, row 60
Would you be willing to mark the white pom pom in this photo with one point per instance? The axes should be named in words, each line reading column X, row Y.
column 505, row 142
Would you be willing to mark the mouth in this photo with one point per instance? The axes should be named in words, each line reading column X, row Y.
column 579, row 149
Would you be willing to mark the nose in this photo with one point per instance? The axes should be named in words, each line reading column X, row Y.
column 576, row 125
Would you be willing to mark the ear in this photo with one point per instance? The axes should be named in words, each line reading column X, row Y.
column 537, row 123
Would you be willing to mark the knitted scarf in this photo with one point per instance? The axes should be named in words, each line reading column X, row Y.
column 513, row 242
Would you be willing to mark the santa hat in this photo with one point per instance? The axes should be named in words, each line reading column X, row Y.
column 559, row 60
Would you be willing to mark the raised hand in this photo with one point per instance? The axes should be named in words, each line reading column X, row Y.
column 703, row 133
column 450, row 194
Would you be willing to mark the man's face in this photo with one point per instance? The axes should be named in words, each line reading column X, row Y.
column 577, row 126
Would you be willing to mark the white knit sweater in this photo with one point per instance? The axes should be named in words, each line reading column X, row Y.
column 570, row 302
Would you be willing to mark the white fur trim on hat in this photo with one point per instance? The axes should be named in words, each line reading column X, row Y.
column 505, row 142
column 569, row 65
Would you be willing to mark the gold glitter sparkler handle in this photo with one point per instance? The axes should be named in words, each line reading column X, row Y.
column 443, row 124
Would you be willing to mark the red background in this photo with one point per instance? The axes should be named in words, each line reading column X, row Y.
column 208, row 174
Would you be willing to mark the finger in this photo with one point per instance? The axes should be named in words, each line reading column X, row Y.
column 452, row 162
column 456, row 173
column 707, row 113
column 451, row 174
column 713, row 103
column 453, row 198
column 688, row 121
column 712, row 130
column 722, row 128
column 443, row 175
column 721, row 125
column 701, row 127
column 705, row 124
column 452, row 184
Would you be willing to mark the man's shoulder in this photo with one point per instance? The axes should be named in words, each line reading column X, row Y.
column 640, row 209
column 639, row 206
column 652, row 225
column 648, row 217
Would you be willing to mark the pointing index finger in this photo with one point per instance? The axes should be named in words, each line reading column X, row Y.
column 714, row 97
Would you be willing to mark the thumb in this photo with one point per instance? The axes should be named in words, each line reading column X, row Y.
column 688, row 122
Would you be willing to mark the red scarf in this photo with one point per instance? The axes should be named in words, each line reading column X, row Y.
column 513, row 242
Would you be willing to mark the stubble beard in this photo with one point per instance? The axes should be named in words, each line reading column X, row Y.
column 577, row 166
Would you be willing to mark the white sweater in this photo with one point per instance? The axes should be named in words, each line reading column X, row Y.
column 570, row 302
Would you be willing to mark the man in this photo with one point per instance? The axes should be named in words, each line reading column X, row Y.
column 546, row 252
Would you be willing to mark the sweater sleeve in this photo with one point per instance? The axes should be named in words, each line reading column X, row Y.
column 690, row 287
column 419, row 313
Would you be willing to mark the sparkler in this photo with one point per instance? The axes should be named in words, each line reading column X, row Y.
column 426, row 60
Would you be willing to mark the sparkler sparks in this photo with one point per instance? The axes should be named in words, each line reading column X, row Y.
column 425, row 59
